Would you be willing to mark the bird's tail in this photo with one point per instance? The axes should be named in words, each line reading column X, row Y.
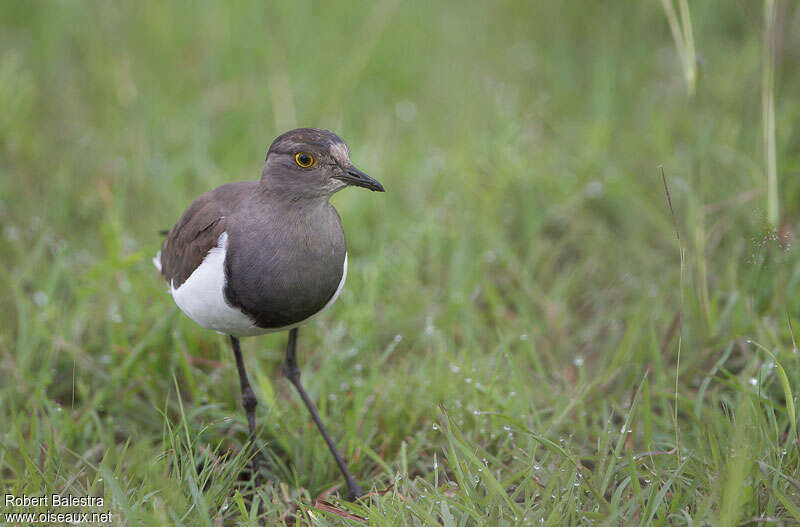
column 157, row 261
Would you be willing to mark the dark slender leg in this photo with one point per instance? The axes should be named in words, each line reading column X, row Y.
column 292, row 372
column 249, row 402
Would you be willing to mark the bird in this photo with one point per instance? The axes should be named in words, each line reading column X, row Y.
column 268, row 255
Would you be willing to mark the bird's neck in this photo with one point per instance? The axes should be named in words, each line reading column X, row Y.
column 292, row 195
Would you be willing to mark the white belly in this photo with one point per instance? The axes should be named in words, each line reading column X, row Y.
column 202, row 297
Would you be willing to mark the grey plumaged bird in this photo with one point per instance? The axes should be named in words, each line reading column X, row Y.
column 257, row 257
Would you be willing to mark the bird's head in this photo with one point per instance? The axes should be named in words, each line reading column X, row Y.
column 308, row 162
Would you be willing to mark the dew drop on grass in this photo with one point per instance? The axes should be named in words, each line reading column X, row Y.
column 506, row 428
column 40, row 298
column 113, row 313
column 594, row 189
column 12, row 232
column 435, row 426
column 405, row 110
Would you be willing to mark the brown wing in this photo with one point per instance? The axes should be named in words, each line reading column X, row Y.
column 189, row 241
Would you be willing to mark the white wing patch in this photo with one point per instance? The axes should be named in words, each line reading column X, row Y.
column 201, row 297
column 336, row 294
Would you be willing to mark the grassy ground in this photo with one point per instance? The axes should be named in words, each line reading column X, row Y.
column 506, row 349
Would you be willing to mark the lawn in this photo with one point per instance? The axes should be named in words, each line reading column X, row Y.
column 522, row 340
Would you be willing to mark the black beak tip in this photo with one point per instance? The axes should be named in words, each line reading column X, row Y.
column 360, row 179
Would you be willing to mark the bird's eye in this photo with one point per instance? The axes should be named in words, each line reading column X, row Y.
column 304, row 159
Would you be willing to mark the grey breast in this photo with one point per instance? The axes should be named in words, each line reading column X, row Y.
column 284, row 260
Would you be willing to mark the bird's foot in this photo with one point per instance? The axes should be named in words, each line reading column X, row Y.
column 354, row 492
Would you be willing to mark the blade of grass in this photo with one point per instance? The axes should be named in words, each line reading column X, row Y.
column 684, row 40
column 768, row 112
column 787, row 390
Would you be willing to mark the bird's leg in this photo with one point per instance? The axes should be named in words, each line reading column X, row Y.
column 249, row 402
column 292, row 372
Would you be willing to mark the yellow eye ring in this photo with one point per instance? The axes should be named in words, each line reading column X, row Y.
column 303, row 159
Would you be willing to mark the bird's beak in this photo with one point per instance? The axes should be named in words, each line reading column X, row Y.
column 353, row 176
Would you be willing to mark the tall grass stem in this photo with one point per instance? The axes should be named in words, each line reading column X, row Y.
column 684, row 40
column 768, row 112
column 680, row 311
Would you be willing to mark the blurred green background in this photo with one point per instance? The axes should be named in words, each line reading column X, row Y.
column 506, row 349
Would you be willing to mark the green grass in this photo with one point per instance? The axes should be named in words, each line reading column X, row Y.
column 505, row 351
